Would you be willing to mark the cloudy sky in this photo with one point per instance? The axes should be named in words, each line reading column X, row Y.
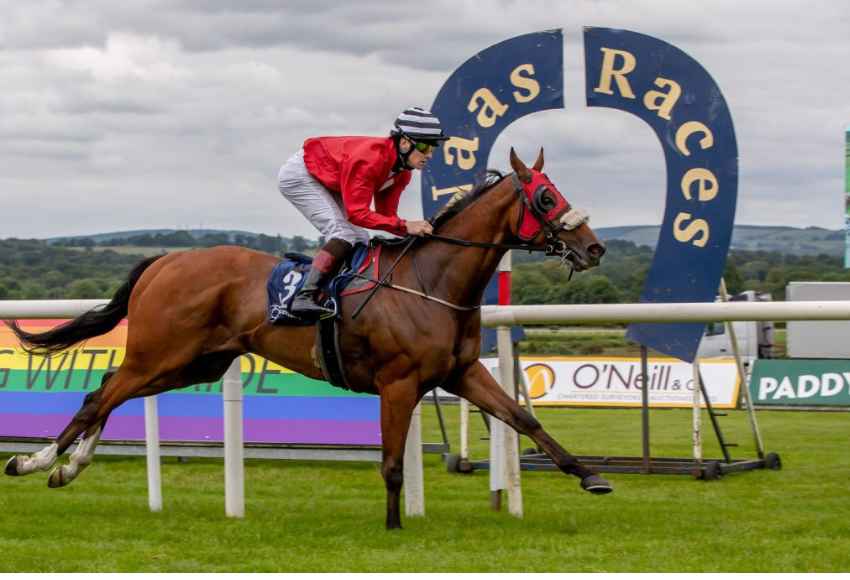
column 179, row 113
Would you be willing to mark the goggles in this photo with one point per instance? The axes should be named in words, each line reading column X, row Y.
column 423, row 147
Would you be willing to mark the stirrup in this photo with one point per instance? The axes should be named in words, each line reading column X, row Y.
column 307, row 307
column 331, row 312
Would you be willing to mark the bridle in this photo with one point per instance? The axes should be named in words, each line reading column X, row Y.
column 569, row 219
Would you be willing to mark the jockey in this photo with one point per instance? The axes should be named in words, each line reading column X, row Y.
column 333, row 182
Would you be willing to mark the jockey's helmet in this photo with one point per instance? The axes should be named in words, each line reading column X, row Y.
column 419, row 125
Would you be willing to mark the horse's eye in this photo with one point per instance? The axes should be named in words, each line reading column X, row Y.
column 544, row 200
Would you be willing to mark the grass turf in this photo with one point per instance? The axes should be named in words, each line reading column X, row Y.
column 307, row 516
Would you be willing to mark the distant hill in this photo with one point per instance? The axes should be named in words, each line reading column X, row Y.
column 129, row 234
column 808, row 241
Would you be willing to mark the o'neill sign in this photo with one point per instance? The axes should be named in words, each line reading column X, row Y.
column 618, row 382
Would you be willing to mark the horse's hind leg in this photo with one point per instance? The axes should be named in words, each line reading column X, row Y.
column 44, row 459
column 26, row 464
column 128, row 384
column 88, row 419
column 82, row 456
column 91, row 419
column 85, row 420
column 479, row 388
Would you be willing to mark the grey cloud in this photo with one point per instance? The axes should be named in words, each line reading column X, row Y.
column 94, row 105
column 187, row 109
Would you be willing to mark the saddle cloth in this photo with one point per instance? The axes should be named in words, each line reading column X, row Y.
column 289, row 275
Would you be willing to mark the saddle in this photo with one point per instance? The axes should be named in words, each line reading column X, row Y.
column 289, row 275
column 359, row 274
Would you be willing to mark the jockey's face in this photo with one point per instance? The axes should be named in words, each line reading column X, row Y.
column 416, row 159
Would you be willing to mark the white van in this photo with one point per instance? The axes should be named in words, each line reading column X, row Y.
column 755, row 338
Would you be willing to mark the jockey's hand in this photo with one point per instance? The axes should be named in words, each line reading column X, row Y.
column 419, row 228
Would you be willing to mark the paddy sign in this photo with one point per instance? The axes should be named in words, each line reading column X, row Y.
column 801, row 383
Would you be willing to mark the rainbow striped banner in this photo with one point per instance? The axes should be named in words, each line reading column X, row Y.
column 39, row 396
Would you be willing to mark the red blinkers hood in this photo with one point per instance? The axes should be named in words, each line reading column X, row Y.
column 546, row 204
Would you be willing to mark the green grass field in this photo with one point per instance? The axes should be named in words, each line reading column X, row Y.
column 305, row 516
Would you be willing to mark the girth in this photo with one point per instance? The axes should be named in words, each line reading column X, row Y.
column 329, row 354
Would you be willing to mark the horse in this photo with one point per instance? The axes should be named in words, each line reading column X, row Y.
column 191, row 313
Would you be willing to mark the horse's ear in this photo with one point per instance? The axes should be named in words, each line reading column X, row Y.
column 538, row 165
column 519, row 167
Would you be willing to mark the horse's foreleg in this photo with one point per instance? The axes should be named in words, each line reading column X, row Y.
column 397, row 403
column 479, row 388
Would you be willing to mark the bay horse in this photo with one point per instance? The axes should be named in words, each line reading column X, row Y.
column 191, row 313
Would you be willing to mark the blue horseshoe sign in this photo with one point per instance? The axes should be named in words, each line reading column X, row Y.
column 677, row 97
column 635, row 73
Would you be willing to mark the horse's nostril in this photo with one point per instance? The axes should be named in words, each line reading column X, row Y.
column 596, row 251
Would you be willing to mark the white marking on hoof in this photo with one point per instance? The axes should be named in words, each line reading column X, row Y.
column 26, row 464
column 79, row 460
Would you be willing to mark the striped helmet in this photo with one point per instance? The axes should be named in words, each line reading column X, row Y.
column 419, row 125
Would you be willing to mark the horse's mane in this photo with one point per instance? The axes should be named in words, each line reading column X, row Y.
column 462, row 199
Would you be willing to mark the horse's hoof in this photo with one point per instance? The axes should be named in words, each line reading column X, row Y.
column 56, row 480
column 595, row 484
column 12, row 466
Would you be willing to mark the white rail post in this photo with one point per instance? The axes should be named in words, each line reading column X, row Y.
column 697, row 429
column 234, row 452
column 152, row 453
column 464, row 428
column 497, row 463
column 510, row 445
column 414, row 480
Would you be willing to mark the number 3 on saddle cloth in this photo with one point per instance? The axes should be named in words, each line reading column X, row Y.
column 289, row 275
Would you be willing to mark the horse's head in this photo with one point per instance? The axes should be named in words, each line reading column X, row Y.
column 547, row 217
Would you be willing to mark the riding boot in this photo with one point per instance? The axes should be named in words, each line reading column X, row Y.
column 326, row 263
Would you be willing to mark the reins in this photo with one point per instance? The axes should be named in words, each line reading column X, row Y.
column 382, row 283
column 490, row 245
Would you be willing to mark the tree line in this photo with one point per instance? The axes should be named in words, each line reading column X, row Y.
column 622, row 273
column 34, row 269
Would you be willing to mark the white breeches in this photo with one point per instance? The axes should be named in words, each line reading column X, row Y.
column 317, row 204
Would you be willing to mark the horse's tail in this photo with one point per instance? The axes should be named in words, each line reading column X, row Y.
column 95, row 322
